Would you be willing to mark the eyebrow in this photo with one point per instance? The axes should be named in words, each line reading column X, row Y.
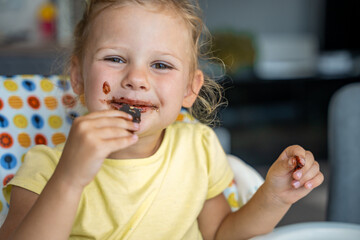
column 111, row 48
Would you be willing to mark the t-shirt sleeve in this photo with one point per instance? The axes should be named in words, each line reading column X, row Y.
column 37, row 168
column 219, row 171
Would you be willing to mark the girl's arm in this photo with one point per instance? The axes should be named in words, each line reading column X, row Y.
column 51, row 215
column 258, row 216
column 283, row 187
column 48, row 216
column 21, row 202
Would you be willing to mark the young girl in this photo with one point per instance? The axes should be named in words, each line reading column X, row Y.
column 116, row 179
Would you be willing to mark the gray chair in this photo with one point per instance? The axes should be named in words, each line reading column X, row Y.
column 344, row 155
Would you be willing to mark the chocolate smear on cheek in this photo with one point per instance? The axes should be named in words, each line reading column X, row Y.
column 106, row 88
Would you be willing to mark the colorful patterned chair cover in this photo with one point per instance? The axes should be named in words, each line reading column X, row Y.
column 36, row 109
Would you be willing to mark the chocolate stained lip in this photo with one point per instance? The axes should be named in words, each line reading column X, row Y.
column 116, row 103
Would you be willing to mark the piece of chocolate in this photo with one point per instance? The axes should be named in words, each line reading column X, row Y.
column 133, row 111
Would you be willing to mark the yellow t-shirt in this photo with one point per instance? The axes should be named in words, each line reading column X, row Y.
column 159, row 197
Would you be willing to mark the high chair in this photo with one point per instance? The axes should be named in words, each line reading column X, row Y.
column 36, row 109
column 344, row 151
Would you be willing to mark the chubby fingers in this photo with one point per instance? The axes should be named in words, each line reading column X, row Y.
column 310, row 175
column 101, row 123
column 108, row 113
column 302, row 166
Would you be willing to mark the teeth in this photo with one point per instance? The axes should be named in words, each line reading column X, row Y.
column 134, row 106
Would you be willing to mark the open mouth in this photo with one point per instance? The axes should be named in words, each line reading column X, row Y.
column 117, row 103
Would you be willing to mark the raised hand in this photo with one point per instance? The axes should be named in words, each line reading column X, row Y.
column 91, row 139
column 293, row 175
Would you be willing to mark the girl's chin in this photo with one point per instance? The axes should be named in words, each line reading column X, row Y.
column 146, row 130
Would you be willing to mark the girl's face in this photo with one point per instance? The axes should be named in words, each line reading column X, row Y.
column 140, row 57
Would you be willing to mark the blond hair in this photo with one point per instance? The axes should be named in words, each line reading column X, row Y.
column 210, row 96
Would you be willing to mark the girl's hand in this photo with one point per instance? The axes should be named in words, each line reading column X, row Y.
column 91, row 139
column 287, row 183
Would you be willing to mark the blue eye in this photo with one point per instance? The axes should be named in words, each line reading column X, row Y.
column 161, row 66
column 115, row 59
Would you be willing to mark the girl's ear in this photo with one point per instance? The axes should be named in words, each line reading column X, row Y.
column 77, row 82
column 193, row 89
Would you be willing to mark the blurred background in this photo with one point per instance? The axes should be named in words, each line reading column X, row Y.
column 284, row 61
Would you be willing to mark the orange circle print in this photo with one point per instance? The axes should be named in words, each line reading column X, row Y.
column 15, row 102
column 82, row 99
column 58, row 138
column 51, row 103
column 6, row 140
column 1, row 104
column 40, row 139
column 180, row 117
column 24, row 140
column 33, row 102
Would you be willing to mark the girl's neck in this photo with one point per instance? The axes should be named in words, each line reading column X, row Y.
column 145, row 147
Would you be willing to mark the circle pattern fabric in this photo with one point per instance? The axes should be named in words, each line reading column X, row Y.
column 34, row 109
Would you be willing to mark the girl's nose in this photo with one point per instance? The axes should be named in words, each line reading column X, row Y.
column 136, row 79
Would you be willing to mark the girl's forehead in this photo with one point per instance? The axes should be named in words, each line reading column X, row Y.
column 165, row 9
column 136, row 21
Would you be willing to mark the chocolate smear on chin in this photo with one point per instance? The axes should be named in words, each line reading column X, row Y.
column 133, row 111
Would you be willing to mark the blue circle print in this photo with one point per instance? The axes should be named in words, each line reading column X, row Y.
column 63, row 85
column 3, row 121
column 71, row 116
column 8, row 161
column 29, row 85
column 37, row 121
